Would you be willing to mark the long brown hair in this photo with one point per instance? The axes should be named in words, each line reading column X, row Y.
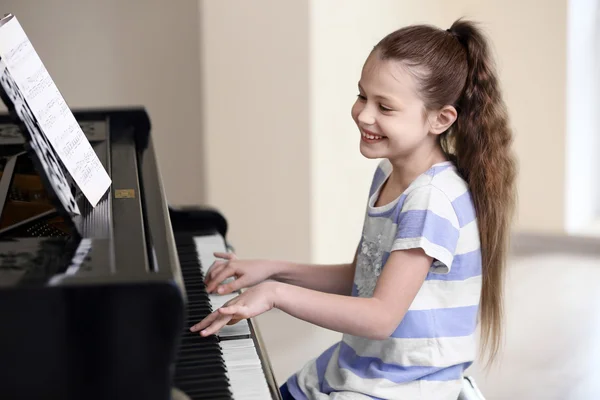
column 454, row 67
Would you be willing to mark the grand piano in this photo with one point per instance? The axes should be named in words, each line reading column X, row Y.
column 99, row 306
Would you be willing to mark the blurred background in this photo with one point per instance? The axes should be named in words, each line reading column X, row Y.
column 250, row 105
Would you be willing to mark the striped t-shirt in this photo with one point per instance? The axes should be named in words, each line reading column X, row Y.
column 435, row 342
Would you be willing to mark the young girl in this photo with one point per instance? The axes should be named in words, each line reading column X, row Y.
column 434, row 242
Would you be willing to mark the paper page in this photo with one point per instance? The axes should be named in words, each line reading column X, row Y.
column 52, row 112
column 44, row 154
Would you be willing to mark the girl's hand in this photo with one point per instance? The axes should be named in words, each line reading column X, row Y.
column 252, row 302
column 247, row 273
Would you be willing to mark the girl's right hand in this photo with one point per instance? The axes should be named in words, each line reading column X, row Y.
column 246, row 273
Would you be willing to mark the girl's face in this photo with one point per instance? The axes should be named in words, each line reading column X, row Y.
column 389, row 113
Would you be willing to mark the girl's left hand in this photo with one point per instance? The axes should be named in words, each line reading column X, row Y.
column 254, row 301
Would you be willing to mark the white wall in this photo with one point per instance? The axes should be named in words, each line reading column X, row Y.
column 121, row 53
column 582, row 191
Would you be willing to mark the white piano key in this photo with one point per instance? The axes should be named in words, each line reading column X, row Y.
column 244, row 370
column 206, row 246
column 239, row 329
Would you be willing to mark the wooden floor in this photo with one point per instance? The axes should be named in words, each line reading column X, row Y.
column 552, row 347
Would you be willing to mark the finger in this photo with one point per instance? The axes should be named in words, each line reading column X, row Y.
column 227, row 256
column 205, row 322
column 232, row 286
column 230, row 302
column 218, row 277
column 216, row 326
column 214, row 269
column 235, row 309
column 223, row 274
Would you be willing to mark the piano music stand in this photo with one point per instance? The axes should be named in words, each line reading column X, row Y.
column 56, row 180
column 6, row 180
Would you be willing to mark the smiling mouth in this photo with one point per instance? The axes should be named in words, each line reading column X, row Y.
column 370, row 137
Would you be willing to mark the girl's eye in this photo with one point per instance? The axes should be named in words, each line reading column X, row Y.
column 381, row 106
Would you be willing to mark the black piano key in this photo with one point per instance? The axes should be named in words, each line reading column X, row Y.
column 199, row 311
column 200, row 370
column 199, row 307
column 208, row 392
column 188, row 374
column 200, row 354
column 187, row 347
column 205, row 384
column 208, row 387
column 210, row 396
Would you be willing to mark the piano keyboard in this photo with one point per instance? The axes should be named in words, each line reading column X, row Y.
column 206, row 246
column 225, row 366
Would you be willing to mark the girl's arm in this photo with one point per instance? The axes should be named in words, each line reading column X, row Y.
column 376, row 317
column 335, row 279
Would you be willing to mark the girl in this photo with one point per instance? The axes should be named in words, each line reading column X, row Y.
column 434, row 242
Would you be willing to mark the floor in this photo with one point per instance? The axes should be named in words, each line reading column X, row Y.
column 552, row 343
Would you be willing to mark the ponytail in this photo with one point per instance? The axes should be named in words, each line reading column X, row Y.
column 460, row 72
column 480, row 141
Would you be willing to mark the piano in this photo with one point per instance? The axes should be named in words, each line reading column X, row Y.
column 99, row 306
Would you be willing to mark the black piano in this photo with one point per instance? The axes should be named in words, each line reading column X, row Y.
column 99, row 306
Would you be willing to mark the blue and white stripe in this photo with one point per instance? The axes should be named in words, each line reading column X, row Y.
column 426, row 355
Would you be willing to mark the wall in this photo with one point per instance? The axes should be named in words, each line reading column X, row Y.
column 530, row 43
column 255, row 78
column 121, row 53
column 582, row 190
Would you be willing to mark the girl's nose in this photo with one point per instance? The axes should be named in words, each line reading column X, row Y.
column 365, row 116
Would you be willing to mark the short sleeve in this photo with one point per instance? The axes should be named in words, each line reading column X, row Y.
column 427, row 220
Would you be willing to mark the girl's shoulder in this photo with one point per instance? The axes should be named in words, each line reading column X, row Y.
column 444, row 191
column 443, row 177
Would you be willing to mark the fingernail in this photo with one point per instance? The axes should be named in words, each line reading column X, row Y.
column 221, row 290
column 203, row 333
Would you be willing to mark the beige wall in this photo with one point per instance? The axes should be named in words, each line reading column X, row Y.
column 134, row 52
column 530, row 42
column 255, row 78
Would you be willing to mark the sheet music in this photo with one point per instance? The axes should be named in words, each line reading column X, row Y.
column 52, row 112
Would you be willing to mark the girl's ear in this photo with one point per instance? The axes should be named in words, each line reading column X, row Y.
column 442, row 120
